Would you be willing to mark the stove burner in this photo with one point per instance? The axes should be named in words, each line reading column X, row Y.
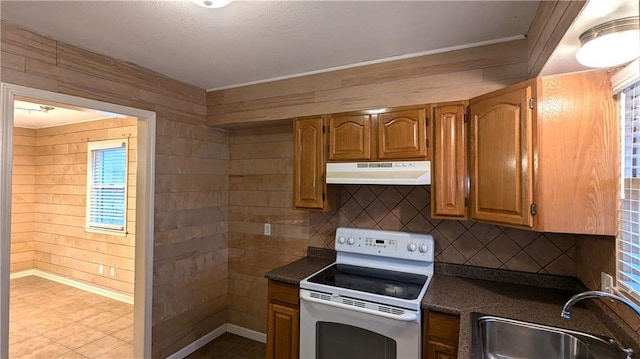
column 406, row 277
column 390, row 288
column 339, row 279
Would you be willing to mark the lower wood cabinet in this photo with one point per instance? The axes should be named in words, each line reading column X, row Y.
column 440, row 351
column 440, row 336
column 283, row 321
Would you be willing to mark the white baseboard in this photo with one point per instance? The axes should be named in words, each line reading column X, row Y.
column 247, row 333
column 231, row 328
column 184, row 352
column 74, row 283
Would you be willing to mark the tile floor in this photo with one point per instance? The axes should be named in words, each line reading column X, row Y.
column 53, row 320
column 230, row 346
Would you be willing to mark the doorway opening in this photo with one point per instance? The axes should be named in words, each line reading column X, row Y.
column 63, row 241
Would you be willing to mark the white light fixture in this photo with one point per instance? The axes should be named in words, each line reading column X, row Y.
column 213, row 4
column 610, row 44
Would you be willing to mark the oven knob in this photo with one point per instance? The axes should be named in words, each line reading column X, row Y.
column 351, row 241
column 424, row 248
column 412, row 247
column 341, row 240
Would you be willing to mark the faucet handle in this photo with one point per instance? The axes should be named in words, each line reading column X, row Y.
column 628, row 351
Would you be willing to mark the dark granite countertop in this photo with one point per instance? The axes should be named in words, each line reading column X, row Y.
column 294, row 272
column 464, row 290
column 463, row 296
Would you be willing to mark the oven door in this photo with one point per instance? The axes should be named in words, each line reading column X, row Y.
column 341, row 327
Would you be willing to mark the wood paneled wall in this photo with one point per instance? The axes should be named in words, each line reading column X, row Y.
column 190, row 249
column 448, row 76
column 60, row 242
column 260, row 191
column 22, row 199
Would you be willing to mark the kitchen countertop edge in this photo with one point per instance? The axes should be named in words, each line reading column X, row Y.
column 294, row 272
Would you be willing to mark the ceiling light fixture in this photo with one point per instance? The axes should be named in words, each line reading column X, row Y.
column 610, row 44
column 212, row 4
column 44, row 109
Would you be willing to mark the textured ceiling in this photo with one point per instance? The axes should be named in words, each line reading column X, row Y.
column 253, row 41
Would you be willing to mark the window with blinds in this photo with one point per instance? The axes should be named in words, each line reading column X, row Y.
column 628, row 277
column 107, row 186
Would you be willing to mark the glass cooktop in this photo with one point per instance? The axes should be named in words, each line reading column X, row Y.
column 377, row 281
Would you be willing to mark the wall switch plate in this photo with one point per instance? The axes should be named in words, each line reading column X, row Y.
column 267, row 229
column 100, row 269
column 113, row 271
column 606, row 281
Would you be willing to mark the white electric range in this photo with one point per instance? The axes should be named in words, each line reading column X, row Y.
column 367, row 303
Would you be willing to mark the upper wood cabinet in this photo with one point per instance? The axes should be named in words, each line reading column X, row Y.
column 502, row 156
column 349, row 137
column 449, row 179
column 402, row 134
column 543, row 155
column 397, row 134
column 309, row 185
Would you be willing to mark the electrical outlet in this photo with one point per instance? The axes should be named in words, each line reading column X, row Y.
column 113, row 271
column 267, row 229
column 100, row 269
column 606, row 282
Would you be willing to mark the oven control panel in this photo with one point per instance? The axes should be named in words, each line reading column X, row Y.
column 392, row 244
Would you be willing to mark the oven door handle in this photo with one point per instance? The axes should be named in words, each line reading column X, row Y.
column 406, row 317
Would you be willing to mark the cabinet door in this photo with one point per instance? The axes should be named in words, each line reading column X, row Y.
column 282, row 332
column 449, row 162
column 440, row 351
column 402, row 134
column 308, row 163
column 350, row 138
column 502, row 157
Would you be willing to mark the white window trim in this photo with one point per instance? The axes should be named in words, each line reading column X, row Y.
column 624, row 78
column 99, row 145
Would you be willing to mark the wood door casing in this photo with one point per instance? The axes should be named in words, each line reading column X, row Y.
column 402, row 134
column 308, row 157
column 349, row 137
column 502, row 158
column 449, row 182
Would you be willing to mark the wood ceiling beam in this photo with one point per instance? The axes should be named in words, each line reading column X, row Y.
column 550, row 23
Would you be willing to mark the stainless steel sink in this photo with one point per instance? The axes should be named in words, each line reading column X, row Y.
column 502, row 338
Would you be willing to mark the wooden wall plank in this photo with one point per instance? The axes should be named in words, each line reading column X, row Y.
column 450, row 76
column 37, row 61
column 22, row 198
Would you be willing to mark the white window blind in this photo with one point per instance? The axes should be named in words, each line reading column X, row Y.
column 107, row 185
column 628, row 277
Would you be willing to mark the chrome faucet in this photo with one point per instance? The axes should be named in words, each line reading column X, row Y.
column 598, row 294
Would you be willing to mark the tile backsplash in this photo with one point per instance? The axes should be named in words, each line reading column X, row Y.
column 407, row 208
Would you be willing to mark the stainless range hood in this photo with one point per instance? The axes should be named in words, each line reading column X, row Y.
column 386, row 173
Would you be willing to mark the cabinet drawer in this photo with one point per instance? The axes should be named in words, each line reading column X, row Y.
column 283, row 292
column 444, row 328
